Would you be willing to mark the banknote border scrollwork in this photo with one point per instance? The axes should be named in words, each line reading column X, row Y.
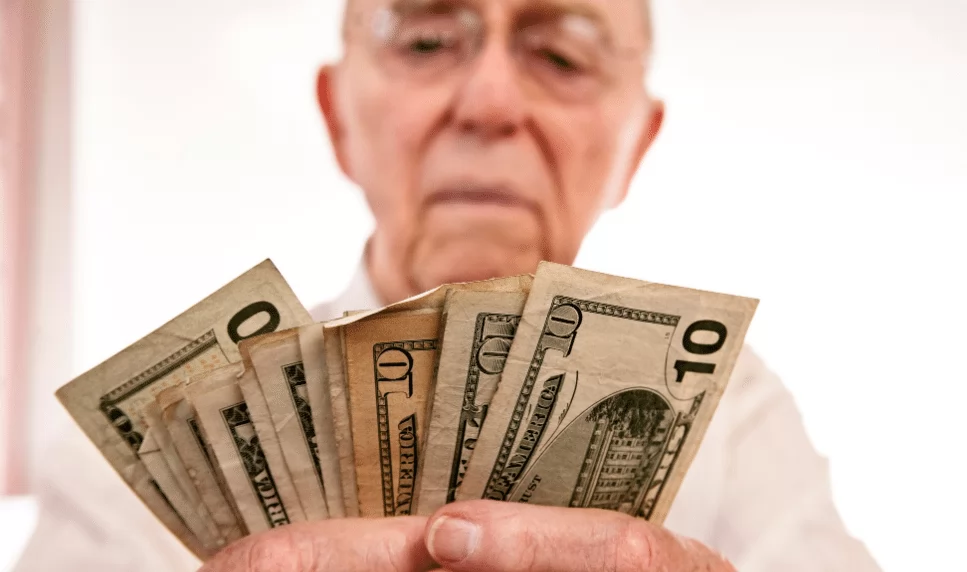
column 185, row 354
column 197, row 434
column 470, row 394
column 382, row 417
column 312, row 449
column 242, row 410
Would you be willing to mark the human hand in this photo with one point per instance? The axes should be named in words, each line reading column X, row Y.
column 343, row 545
column 471, row 536
column 512, row 537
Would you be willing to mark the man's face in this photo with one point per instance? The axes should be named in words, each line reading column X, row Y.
column 488, row 135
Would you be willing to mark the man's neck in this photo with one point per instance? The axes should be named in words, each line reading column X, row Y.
column 388, row 279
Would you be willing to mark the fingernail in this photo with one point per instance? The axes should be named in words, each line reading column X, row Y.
column 452, row 540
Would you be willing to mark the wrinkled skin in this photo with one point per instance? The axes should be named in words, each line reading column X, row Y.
column 473, row 536
column 419, row 149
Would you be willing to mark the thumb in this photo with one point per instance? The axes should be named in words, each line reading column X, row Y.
column 511, row 537
column 346, row 545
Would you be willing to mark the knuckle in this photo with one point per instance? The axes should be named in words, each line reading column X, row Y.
column 392, row 554
column 278, row 551
column 635, row 546
column 521, row 546
column 532, row 545
column 529, row 547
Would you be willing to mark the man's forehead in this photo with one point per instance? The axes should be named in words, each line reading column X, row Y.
column 562, row 5
column 614, row 13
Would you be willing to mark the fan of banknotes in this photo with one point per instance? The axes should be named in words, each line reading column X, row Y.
column 567, row 388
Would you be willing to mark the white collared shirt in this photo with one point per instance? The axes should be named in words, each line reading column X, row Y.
column 757, row 491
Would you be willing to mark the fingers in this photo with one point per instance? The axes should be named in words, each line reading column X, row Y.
column 511, row 537
column 350, row 545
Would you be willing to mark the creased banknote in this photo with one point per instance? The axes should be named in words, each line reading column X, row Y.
column 313, row 350
column 390, row 366
column 478, row 332
column 180, row 419
column 390, row 358
column 228, row 427
column 282, row 378
column 106, row 401
column 342, row 419
column 163, row 441
column 258, row 413
column 157, row 466
column 571, row 388
column 606, row 393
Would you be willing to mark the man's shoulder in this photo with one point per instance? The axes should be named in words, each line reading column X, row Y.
column 324, row 312
column 752, row 382
column 358, row 295
column 84, row 506
column 75, row 477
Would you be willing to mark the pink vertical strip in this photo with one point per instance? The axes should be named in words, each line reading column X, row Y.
column 16, row 160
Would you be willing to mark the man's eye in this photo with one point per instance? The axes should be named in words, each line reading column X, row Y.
column 559, row 61
column 427, row 42
column 426, row 45
column 557, row 57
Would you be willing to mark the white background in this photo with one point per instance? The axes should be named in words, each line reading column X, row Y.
column 814, row 156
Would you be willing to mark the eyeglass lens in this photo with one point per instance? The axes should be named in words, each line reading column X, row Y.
column 567, row 54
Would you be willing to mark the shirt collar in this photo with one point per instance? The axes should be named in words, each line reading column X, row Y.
column 358, row 295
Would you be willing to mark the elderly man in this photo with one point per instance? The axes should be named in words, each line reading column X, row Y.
column 488, row 135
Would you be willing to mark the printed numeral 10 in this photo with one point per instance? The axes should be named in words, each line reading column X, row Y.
column 698, row 348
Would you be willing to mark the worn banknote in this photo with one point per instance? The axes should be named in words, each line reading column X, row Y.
column 106, row 401
column 606, row 393
column 571, row 388
column 342, row 419
column 385, row 381
column 281, row 374
column 157, row 466
column 312, row 347
column 162, row 440
column 257, row 412
column 390, row 367
column 179, row 417
column 478, row 331
column 228, row 427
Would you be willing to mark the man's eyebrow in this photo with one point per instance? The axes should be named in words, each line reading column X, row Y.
column 405, row 6
column 531, row 10
column 557, row 8
column 540, row 10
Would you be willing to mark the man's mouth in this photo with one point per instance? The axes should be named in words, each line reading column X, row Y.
column 480, row 195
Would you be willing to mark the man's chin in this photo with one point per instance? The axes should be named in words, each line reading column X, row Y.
column 452, row 267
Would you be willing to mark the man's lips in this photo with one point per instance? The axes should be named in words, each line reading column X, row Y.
column 482, row 196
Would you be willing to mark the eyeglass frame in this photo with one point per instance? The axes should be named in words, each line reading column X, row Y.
column 381, row 24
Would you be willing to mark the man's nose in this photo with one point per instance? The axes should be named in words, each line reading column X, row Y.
column 490, row 103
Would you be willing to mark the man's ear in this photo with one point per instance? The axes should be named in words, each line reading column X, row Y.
column 328, row 104
column 653, row 120
column 650, row 133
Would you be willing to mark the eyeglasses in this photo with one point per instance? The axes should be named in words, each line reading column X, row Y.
column 567, row 55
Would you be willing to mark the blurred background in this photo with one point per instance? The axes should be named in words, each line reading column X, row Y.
column 814, row 156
